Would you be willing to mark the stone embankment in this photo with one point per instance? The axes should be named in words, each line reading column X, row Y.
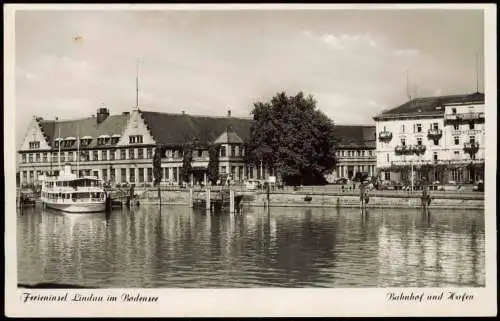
column 377, row 199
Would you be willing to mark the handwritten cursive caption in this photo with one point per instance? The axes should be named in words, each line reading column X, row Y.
column 421, row 296
column 29, row 297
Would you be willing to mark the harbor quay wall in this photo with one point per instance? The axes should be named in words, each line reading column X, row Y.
column 377, row 199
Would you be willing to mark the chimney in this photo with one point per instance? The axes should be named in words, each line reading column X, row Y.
column 229, row 113
column 102, row 114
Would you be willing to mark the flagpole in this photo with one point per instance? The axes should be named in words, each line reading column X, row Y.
column 59, row 153
column 77, row 150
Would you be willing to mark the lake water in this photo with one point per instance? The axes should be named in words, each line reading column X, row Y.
column 289, row 247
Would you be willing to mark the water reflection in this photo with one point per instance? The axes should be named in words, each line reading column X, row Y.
column 179, row 247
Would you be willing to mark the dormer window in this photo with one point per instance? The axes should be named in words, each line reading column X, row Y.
column 34, row 145
column 103, row 140
column 135, row 139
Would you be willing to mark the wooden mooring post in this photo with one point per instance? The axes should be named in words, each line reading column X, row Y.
column 231, row 202
column 208, row 205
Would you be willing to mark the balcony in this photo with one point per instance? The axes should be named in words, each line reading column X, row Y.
column 434, row 133
column 466, row 117
column 385, row 136
column 471, row 148
column 418, row 149
column 402, row 150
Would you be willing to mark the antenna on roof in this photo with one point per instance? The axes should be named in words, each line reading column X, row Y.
column 137, row 85
column 408, row 85
column 476, row 63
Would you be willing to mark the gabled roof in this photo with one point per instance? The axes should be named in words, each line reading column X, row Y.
column 228, row 137
column 112, row 125
column 177, row 129
column 355, row 136
column 429, row 106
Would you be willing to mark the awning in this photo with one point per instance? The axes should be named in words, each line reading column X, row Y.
column 104, row 136
column 70, row 138
column 116, row 135
column 86, row 137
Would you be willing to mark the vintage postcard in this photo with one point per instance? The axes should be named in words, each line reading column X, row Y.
column 250, row 160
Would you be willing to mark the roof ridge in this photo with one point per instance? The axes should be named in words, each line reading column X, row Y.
column 197, row 115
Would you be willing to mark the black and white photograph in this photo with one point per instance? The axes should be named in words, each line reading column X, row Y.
column 226, row 147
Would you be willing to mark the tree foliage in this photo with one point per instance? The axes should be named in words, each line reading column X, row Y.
column 157, row 170
column 213, row 163
column 292, row 136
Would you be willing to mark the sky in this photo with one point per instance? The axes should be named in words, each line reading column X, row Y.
column 355, row 63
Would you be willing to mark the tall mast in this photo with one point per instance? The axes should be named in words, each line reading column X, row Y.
column 137, row 85
column 78, row 150
column 408, row 85
column 59, row 152
column 476, row 62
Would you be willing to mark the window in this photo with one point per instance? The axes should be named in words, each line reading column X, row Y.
column 223, row 169
column 419, row 141
column 174, row 174
column 240, row 173
column 105, row 174
column 387, row 156
column 435, row 156
column 457, row 154
column 472, row 139
column 132, row 175
column 456, row 126
column 233, row 151
column 456, row 140
column 435, row 126
column 95, row 155
column 149, row 153
column 30, row 158
column 223, row 151
column 471, row 125
column 200, row 153
column 150, row 174
column 131, row 153
column 104, row 155
column 112, row 174
column 140, row 153
column 111, row 155
column 403, row 128
column 454, row 110
column 141, row 175
column 34, row 145
column 403, row 142
column 63, row 158
column 167, row 173
column 23, row 158
column 123, row 154
column 123, row 174
column 387, row 176
column 419, row 128
column 135, row 139
column 45, row 157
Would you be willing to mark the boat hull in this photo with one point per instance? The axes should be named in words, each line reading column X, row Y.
column 78, row 208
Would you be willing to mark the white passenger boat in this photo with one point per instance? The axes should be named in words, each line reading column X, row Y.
column 69, row 193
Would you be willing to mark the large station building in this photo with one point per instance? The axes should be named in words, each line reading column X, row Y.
column 440, row 137
column 119, row 148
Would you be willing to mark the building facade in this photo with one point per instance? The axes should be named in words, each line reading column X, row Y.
column 119, row 148
column 355, row 152
column 438, row 138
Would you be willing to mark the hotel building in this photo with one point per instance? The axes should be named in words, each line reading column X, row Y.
column 441, row 138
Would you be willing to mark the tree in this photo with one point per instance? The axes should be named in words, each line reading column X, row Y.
column 213, row 163
column 187, row 158
column 157, row 171
column 290, row 135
